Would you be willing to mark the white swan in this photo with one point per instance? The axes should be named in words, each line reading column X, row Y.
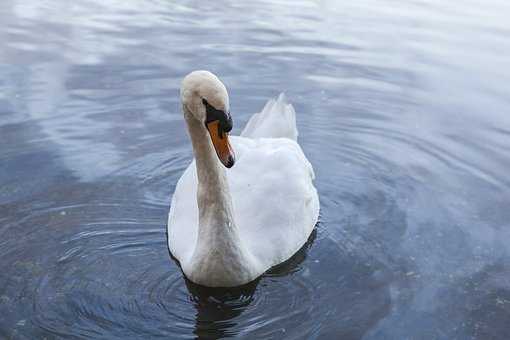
column 227, row 227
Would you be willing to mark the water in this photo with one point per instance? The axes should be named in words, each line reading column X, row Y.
column 403, row 109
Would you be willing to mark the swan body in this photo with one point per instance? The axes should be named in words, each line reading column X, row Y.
column 227, row 227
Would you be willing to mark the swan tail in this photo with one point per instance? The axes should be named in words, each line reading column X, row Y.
column 277, row 119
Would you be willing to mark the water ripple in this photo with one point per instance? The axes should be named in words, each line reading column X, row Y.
column 402, row 110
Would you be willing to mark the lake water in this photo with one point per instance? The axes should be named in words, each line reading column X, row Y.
column 403, row 109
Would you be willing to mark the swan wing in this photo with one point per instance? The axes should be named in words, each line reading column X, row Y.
column 275, row 203
column 277, row 119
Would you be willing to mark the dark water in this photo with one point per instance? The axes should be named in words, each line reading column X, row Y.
column 403, row 109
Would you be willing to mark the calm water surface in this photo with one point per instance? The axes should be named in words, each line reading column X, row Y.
column 403, row 108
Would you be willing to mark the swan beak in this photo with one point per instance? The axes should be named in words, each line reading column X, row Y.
column 221, row 144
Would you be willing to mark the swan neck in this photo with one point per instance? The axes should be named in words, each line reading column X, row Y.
column 219, row 258
column 213, row 194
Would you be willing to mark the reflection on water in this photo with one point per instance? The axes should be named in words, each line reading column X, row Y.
column 402, row 108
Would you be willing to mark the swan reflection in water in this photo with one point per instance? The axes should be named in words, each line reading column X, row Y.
column 217, row 308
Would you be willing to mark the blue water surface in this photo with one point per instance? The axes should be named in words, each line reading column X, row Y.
column 403, row 108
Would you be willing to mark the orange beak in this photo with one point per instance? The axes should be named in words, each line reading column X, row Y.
column 221, row 144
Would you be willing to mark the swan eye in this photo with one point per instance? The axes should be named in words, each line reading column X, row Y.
column 224, row 118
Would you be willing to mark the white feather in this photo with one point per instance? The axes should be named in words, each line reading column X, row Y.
column 277, row 119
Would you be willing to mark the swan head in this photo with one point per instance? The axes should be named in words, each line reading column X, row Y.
column 205, row 98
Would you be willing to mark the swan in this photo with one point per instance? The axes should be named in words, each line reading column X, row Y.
column 228, row 224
